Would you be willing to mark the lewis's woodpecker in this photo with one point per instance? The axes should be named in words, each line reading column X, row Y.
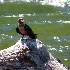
column 24, row 29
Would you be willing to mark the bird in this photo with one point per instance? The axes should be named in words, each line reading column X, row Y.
column 25, row 30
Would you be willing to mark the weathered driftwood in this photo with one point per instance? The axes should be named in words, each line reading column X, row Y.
column 28, row 54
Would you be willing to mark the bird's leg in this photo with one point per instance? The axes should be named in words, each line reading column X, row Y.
column 22, row 37
column 29, row 38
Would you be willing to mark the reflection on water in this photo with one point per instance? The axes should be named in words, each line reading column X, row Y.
column 42, row 18
column 3, row 36
column 59, row 39
column 8, row 37
column 56, row 49
column 6, row 27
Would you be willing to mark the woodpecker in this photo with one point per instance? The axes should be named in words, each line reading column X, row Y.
column 24, row 29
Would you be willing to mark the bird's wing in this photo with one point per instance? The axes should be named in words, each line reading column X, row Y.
column 17, row 30
column 28, row 30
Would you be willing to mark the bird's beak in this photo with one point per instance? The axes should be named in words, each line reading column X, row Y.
column 22, row 20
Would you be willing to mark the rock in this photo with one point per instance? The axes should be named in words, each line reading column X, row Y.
column 28, row 54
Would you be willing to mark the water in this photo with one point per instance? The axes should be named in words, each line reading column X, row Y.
column 57, row 47
column 45, row 18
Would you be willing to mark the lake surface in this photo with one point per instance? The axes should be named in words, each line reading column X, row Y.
column 59, row 51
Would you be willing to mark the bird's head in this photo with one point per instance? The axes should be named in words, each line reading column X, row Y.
column 20, row 23
column 20, row 20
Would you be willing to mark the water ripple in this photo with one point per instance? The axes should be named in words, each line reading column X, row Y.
column 6, row 27
column 4, row 36
column 59, row 39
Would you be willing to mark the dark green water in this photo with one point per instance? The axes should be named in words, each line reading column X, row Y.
column 56, row 45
